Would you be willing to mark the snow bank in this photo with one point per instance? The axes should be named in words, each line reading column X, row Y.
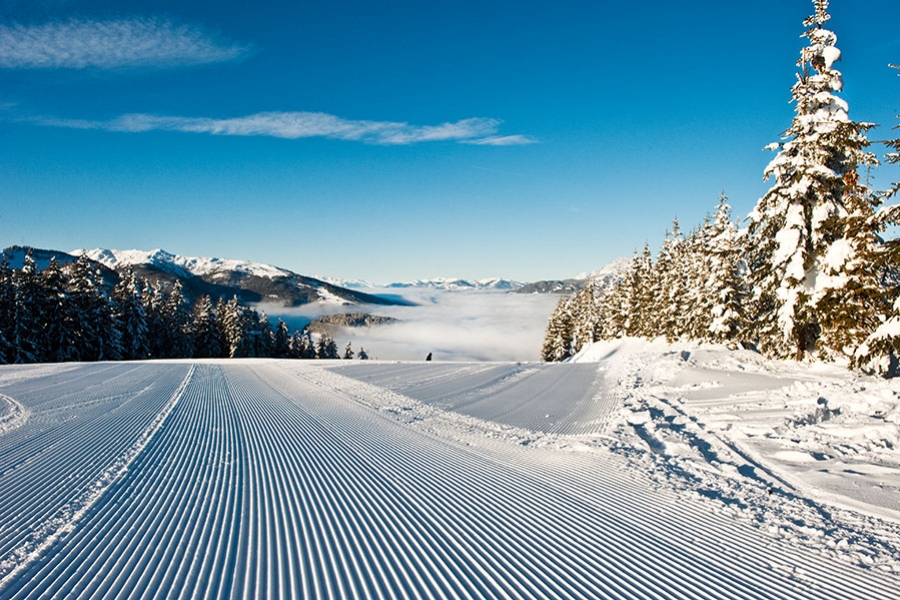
column 808, row 451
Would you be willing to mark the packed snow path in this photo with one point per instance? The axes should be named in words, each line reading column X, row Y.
column 267, row 479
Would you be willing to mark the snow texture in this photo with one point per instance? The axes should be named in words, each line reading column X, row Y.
column 181, row 265
column 639, row 471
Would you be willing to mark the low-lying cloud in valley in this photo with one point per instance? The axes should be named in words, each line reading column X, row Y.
column 458, row 326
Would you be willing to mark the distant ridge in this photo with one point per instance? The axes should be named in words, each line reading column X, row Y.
column 223, row 278
column 603, row 276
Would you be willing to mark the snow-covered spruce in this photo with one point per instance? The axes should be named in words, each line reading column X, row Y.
column 808, row 234
column 63, row 314
column 811, row 277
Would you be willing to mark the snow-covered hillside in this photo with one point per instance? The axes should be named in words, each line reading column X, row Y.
column 440, row 283
column 252, row 282
column 620, row 477
column 181, row 265
column 611, row 270
column 456, row 284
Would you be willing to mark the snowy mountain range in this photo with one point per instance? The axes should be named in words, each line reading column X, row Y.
column 439, row 283
column 255, row 282
column 223, row 278
column 604, row 277
column 493, row 283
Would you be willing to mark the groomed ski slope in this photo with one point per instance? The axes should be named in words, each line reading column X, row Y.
column 286, row 479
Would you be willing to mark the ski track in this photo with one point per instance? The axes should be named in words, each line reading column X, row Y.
column 281, row 479
column 566, row 399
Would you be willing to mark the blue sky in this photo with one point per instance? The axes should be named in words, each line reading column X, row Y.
column 400, row 140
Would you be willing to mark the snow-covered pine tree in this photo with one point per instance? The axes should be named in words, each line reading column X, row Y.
column 205, row 329
column 159, row 335
column 178, row 319
column 29, row 322
column 794, row 226
column 363, row 355
column 642, row 320
column 725, row 287
column 585, row 315
column 262, row 335
column 326, row 348
column 295, row 347
column 281, row 340
column 128, row 301
column 669, row 293
column 880, row 352
column 348, row 352
column 236, row 326
column 697, row 307
column 893, row 157
column 223, row 337
column 615, row 306
column 309, row 346
column 91, row 313
column 851, row 299
column 621, row 304
column 558, row 337
column 7, row 311
column 61, row 339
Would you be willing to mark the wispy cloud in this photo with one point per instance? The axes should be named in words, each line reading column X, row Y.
column 294, row 125
column 79, row 44
column 504, row 140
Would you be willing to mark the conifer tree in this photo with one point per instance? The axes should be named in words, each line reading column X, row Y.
column 28, row 321
column 585, row 308
column 205, row 329
column 326, row 347
column 131, row 320
column 615, row 307
column 159, row 334
column 92, row 313
column 794, row 226
column 178, row 319
column 309, row 346
column 7, row 311
column 671, row 303
column 348, row 352
column 880, row 351
column 362, row 354
column 296, row 345
column 893, row 157
column 261, row 335
column 725, row 288
column 643, row 320
column 558, row 337
column 60, row 339
column 281, row 341
column 235, row 325
column 223, row 337
column 699, row 298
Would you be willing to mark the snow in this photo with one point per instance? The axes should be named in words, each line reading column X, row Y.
column 638, row 470
column 612, row 269
column 780, row 414
column 181, row 265
column 831, row 56
column 457, row 284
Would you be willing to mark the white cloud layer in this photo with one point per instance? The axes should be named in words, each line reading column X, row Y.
column 294, row 125
column 468, row 326
column 79, row 44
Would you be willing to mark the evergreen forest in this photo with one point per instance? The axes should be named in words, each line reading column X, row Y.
column 61, row 315
column 812, row 276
